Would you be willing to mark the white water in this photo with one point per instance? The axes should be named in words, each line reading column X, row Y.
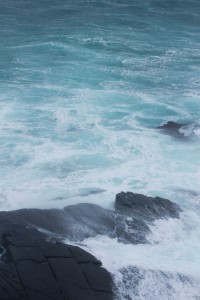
column 173, row 250
column 83, row 86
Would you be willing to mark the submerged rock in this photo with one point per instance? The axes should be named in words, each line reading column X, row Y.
column 183, row 131
column 173, row 128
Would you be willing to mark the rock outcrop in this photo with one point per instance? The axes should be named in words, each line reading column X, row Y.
column 38, row 265
column 36, row 269
column 129, row 221
column 173, row 128
column 134, row 212
column 181, row 131
column 145, row 208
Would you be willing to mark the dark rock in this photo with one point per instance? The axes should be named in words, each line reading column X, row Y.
column 36, row 269
column 75, row 222
column 16, row 238
column 171, row 126
column 38, row 266
column 33, row 295
column 16, row 254
column 98, row 281
column 131, row 230
column 129, row 223
column 136, row 211
column 103, row 295
column 74, row 292
column 81, row 256
column 52, row 220
column 68, row 271
column 87, row 220
column 10, row 284
column 145, row 208
column 54, row 249
column 38, row 277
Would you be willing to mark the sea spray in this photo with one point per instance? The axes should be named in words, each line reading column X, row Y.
column 84, row 86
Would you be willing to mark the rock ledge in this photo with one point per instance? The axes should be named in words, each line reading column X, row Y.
column 35, row 269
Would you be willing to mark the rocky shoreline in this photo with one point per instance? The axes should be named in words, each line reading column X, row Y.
column 36, row 264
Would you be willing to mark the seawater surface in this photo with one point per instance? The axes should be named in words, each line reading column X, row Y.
column 83, row 86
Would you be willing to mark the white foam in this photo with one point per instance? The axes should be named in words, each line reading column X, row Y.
column 133, row 160
column 173, row 249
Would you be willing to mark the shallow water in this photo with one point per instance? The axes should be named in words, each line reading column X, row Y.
column 83, row 86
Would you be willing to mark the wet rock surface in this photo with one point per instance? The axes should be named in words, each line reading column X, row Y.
column 33, row 268
column 173, row 128
column 134, row 212
column 184, row 132
column 145, row 208
column 37, row 265
column 128, row 222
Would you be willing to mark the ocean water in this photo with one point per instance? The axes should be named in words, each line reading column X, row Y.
column 83, row 86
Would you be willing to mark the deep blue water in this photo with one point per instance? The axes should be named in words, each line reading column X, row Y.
column 83, row 86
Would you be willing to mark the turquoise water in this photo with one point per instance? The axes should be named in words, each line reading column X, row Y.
column 83, row 86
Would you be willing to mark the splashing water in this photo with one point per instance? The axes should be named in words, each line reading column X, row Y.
column 83, row 87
